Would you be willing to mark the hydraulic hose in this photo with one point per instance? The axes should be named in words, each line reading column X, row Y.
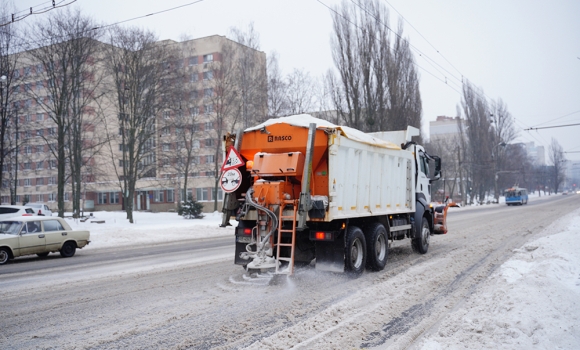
column 270, row 213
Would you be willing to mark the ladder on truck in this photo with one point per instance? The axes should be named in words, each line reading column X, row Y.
column 289, row 270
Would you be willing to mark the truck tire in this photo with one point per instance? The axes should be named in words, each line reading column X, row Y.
column 355, row 251
column 420, row 243
column 377, row 246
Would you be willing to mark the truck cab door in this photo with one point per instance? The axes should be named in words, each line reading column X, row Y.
column 423, row 183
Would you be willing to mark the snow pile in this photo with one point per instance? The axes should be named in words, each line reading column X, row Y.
column 148, row 228
column 532, row 301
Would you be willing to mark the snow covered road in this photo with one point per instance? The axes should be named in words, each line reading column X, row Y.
column 462, row 293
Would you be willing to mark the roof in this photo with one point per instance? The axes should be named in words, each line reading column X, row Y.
column 32, row 218
column 304, row 120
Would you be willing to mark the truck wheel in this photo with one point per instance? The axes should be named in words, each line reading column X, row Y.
column 420, row 243
column 377, row 245
column 355, row 251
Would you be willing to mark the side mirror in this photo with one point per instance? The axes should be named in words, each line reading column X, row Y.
column 437, row 172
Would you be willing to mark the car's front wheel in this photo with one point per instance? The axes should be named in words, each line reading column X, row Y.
column 68, row 249
column 4, row 256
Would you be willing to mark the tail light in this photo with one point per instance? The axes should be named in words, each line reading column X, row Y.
column 322, row 235
column 27, row 214
column 247, row 231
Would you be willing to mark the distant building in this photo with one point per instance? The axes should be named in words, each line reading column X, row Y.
column 157, row 190
column 536, row 153
column 444, row 128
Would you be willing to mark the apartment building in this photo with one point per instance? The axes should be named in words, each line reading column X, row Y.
column 186, row 134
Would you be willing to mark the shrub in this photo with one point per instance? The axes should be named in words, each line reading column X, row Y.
column 190, row 209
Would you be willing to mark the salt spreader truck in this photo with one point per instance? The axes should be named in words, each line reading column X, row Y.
column 304, row 190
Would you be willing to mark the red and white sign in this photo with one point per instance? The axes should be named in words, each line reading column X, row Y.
column 231, row 180
column 233, row 160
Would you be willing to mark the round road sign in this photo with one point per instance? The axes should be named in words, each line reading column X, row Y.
column 231, row 179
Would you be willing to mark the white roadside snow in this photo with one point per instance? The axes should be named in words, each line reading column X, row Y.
column 148, row 228
column 531, row 301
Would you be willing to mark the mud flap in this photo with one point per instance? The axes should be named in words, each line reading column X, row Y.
column 330, row 255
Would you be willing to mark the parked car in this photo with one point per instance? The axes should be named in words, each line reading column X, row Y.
column 40, row 235
column 8, row 211
column 40, row 209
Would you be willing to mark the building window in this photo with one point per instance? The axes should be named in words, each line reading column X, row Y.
column 28, row 149
column 210, row 159
column 208, row 92
column 27, row 182
column 39, row 68
column 202, row 194
column 26, row 71
column 194, row 111
column 208, row 58
column 39, row 165
column 52, row 180
column 209, row 142
column 166, row 114
column 39, row 181
column 194, row 95
column 52, row 164
column 66, row 196
column 159, row 196
column 114, row 196
column 39, row 85
column 52, row 197
column 194, row 77
column 193, row 61
column 39, row 149
column 208, row 75
column 195, row 144
column 102, row 198
column 27, row 166
column 208, row 125
column 40, row 198
column 39, row 117
column 170, row 198
column 220, row 194
column 166, row 146
column 28, row 118
column 39, row 133
column 208, row 109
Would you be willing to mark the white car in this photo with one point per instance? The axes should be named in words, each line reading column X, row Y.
column 40, row 235
column 40, row 209
column 9, row 211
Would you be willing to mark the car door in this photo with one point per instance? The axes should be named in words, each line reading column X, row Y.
column 32, row 240
column 55, row 234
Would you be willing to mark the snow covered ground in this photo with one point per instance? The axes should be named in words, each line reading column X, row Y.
column 531, row 301
column 148, row 228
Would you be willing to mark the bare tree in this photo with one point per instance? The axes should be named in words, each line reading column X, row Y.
column 301, row 92
column 277, row 104
column 251, row 77
column 378, row 86
column 479, row 140
column 503, row 132
column 556, row 154
column 9, row 59
column 67, row 57
column 140, row 70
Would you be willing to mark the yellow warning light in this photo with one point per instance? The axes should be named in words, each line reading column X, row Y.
column 249, row 164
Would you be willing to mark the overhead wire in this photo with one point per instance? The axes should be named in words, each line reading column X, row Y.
column 15, row 17
column 25, row 45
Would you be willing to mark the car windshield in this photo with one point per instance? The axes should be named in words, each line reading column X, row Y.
column 10, row 227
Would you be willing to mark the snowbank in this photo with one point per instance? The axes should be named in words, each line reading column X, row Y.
column 148, row 228
column 532, row 301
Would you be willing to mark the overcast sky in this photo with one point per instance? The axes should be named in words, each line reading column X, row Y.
column 526, row 52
